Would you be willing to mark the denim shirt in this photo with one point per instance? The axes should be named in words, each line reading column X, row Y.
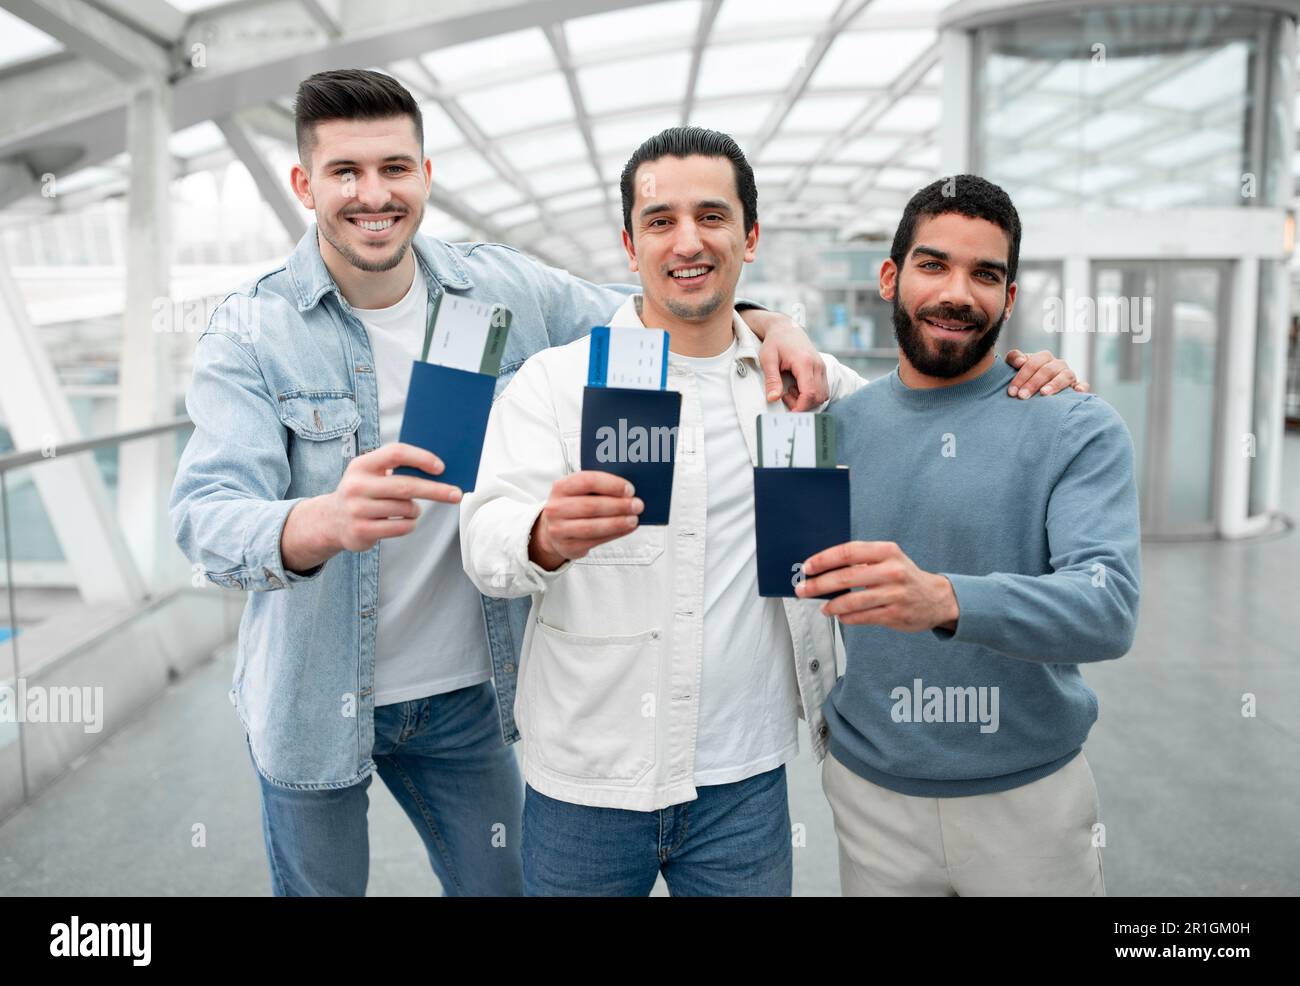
column 284, row 394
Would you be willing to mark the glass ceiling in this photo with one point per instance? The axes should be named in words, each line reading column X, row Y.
column 836, row 103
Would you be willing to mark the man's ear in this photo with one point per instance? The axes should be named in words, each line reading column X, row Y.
column 1011, row 299
column 301, row 185
column 888, row 278
column 751, row 243
column 631, row 252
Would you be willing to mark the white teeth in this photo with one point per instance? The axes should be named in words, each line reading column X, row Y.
column 376, row 227
column 692, row 272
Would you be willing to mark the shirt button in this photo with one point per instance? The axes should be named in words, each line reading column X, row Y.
column 822, row 730
column 815, row 666
column 740, row 368
column 508, row 668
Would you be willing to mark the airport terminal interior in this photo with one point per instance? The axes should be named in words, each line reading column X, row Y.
column 1150, row 149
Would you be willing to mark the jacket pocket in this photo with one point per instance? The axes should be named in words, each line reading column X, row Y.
column 592, row 703
column 641, row 547
column 321, row 422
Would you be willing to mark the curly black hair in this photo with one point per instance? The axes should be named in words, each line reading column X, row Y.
column 966, row 195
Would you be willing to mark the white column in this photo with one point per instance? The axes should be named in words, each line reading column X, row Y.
column 144, row 381
column 958, row 89
column 1235, row 400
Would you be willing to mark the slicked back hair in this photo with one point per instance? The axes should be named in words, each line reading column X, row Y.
column 683, row 142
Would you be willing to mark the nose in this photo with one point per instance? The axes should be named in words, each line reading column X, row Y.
column 955, row 292
column 372, row 194
column 686, row 242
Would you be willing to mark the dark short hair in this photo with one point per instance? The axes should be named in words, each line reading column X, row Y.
column 350, row 94
column 966, row 195
column 684, row 142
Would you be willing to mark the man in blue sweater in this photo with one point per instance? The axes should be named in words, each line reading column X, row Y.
column 975, row 586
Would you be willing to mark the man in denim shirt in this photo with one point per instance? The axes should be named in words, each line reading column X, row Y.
column 286, row 484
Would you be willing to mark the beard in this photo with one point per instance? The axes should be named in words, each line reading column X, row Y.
column 950, row 358
column 697, row 312
column 333, row 235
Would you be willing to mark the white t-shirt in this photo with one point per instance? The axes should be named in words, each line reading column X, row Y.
column 430, row 635
column 749, row 697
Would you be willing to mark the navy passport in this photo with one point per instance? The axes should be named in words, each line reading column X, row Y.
column 447, row 413
column 633, row 434
column 797, row 513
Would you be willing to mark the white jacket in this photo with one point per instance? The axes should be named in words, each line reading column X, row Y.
column 611, row 663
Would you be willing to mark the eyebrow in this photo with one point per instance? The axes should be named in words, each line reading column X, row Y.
column 405, row 158
column 996, row 265
column 718, row 205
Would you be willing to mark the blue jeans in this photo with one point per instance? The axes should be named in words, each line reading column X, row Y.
column 443, row 759
column 733, row 840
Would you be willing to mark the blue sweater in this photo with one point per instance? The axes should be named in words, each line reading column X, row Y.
column 1030, row 509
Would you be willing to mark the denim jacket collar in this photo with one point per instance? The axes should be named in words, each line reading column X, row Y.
column 312, row 279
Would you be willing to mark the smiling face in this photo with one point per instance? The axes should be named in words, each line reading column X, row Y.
column 951, row 296
column 368, row 183
column 689, row 242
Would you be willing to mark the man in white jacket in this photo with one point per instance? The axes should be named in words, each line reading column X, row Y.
column 659, row 694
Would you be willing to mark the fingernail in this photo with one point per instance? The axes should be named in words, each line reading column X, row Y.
column 637, row 505
column 628, row 490
column 1047, row 389
column 631, row 522
column 1024, row 394
column 1013, row 392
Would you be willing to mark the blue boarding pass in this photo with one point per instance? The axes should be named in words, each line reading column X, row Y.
column 627, row 356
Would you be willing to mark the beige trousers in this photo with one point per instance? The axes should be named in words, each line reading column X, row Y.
column 1034, row 840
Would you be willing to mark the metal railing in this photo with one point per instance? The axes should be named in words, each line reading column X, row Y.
column 48, row 595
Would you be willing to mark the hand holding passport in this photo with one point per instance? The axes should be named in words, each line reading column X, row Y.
column 449, row 399
column 629, row 418
column 801, row 498
column 629, row 439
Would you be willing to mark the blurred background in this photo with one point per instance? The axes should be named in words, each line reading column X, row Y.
column 145, row 147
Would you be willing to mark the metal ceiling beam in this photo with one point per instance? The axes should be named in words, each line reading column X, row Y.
column 454, row 205
column 272, row 189
column 866, row 119
column 325, row 13
column 96, row 36
column 475, row 137
column 859, row 186
column 560, row 45
column 671, row 44
column 708, row 14
column 156, row 18
column 211, row 93
column 845, row 13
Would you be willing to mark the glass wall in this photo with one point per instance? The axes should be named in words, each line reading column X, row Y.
column 1135, row 107
column 1156, row 360
column 1028, row 328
